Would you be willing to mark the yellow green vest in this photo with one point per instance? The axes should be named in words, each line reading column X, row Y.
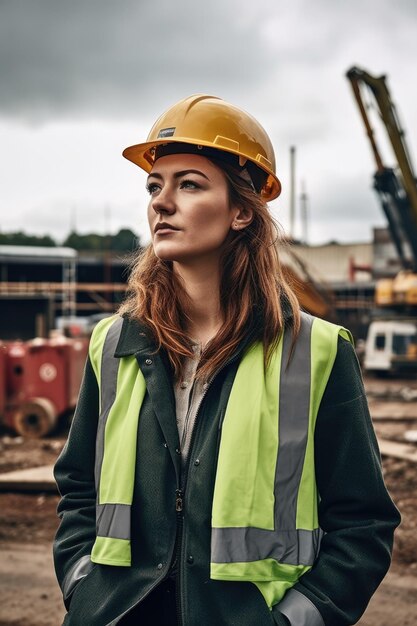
column 265, row 506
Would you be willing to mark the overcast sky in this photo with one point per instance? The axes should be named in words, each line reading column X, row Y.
column 82, row 79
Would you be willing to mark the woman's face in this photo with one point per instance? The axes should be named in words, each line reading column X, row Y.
column 189, row 211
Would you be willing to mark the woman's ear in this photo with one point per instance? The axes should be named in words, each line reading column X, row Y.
column 242, row 217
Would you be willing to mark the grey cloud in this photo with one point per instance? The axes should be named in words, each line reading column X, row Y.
column 102, row 58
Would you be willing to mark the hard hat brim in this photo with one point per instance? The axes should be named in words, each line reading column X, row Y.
column 141, row 154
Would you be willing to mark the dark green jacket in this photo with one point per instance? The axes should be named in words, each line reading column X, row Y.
column 355, row 509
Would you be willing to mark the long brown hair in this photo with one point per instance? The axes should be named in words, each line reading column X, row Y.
column 253, row 290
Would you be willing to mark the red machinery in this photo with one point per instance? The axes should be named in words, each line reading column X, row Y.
column 43, row 378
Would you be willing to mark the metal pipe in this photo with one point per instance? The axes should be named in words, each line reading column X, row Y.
column 292, row 191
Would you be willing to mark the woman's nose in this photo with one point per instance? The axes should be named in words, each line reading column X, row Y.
column 163, row 202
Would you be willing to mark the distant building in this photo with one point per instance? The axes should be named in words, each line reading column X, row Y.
column 338, row 263
column 39, row 285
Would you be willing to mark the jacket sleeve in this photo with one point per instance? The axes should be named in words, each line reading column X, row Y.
column 356, row 512
column 74, row 474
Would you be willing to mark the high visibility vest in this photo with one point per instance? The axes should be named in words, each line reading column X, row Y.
column 265, row 506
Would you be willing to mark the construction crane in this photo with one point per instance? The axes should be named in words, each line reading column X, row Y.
column 395, row 339
column 396, row 187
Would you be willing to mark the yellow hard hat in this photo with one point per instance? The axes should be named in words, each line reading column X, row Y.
column 210, row 122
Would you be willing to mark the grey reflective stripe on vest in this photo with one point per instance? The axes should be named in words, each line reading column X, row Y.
column 299, row 609
column 294, row 410
column 113, row 520
column 242, row 545
column 79, row 570
column 109, row 517
column 285, row 543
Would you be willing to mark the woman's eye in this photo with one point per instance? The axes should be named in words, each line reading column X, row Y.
column 151, row 188
column 189, row 184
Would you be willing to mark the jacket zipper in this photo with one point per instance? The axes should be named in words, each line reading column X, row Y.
column 181, row 491
column 178, row 500
column 179, row 506
column 177, row 552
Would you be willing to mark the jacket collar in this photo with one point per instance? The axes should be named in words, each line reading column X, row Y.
column 134, row 337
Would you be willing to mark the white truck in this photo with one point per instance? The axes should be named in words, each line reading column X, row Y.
column 391, row 346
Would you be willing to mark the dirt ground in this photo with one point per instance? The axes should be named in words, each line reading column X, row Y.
column 29, row 595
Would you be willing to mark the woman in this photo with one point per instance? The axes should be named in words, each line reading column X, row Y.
column 221, row 467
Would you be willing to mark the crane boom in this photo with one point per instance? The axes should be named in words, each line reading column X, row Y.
column 398, row 194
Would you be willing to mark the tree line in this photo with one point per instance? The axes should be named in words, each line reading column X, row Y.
column 123, row 241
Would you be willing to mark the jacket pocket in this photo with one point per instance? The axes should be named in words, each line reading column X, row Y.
column 76, row 586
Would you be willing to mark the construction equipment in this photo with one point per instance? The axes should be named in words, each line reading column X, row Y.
column 396, row 187
column 391, row 344
column 41, row 381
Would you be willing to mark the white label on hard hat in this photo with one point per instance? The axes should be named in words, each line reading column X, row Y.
column 47, row 372
column 166, row 132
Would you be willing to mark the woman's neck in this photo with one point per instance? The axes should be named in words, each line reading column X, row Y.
column 202, row 285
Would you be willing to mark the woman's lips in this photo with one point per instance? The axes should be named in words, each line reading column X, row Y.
column 164, row 228
column 166, row 231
